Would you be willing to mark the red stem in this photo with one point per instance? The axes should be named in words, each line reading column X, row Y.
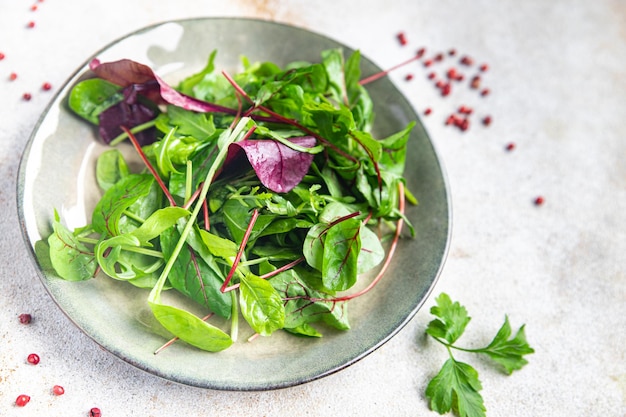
column 279, row 118
column 387, row 262
column 273, row 273
column 242, row 246
column 381, row 74
column 144, row 158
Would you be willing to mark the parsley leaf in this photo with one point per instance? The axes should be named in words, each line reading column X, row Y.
column 456, row 387
column 508, row 352
column 452, row 320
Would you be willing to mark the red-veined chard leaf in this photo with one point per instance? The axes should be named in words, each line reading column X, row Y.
column 278, row 167
column 237, row 218
column 261, row 305
column 342, row 245
column 304, row 307
column 197, row 277
column 71, row 259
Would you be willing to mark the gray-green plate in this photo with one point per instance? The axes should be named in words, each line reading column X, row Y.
column 57, row 172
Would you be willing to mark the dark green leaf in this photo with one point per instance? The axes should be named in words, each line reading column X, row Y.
column 91, row 97
column 342, row 245
column 196, row 277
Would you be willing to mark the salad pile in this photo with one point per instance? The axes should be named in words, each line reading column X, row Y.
column 263, row 194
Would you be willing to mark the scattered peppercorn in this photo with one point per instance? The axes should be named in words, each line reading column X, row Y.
column 402, row 38
column 539, row 201
column 485, row 92
column 25, row 318
column 428, row 111
column 2, row 56
column 46, row 86
column 487, row 120
column 466, row 60
column 58, row 390
column 33, row 359
column 95, row 412
column 510, row 146
column 27, row 96
column 483, row 67
column 13, row 76
column 22, row 400
column 30, row 24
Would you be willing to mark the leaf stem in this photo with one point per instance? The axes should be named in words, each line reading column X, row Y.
column 144, row 158
column 139, row 128
column 242, row 246
column 155, row 294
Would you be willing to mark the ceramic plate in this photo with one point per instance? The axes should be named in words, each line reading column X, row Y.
column 57, row 172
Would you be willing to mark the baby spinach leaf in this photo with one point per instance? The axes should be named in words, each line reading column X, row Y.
column 190, row 328
column 110, row 168
column 91, row 97
column 261, row 305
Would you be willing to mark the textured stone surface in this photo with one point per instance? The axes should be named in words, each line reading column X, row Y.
column 558, row 90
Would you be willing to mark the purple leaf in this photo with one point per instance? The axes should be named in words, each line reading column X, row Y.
column 126, row 72
column 277, row 166
column 126, row 114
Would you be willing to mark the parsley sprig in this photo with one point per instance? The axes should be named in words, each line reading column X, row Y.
column 456, row 387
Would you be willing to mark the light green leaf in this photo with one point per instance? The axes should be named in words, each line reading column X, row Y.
column 261, row 305
column 190, row 328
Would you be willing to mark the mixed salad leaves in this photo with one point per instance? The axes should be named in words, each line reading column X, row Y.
column 263, row 194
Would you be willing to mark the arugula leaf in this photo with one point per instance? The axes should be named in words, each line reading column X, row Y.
column 456, row 387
